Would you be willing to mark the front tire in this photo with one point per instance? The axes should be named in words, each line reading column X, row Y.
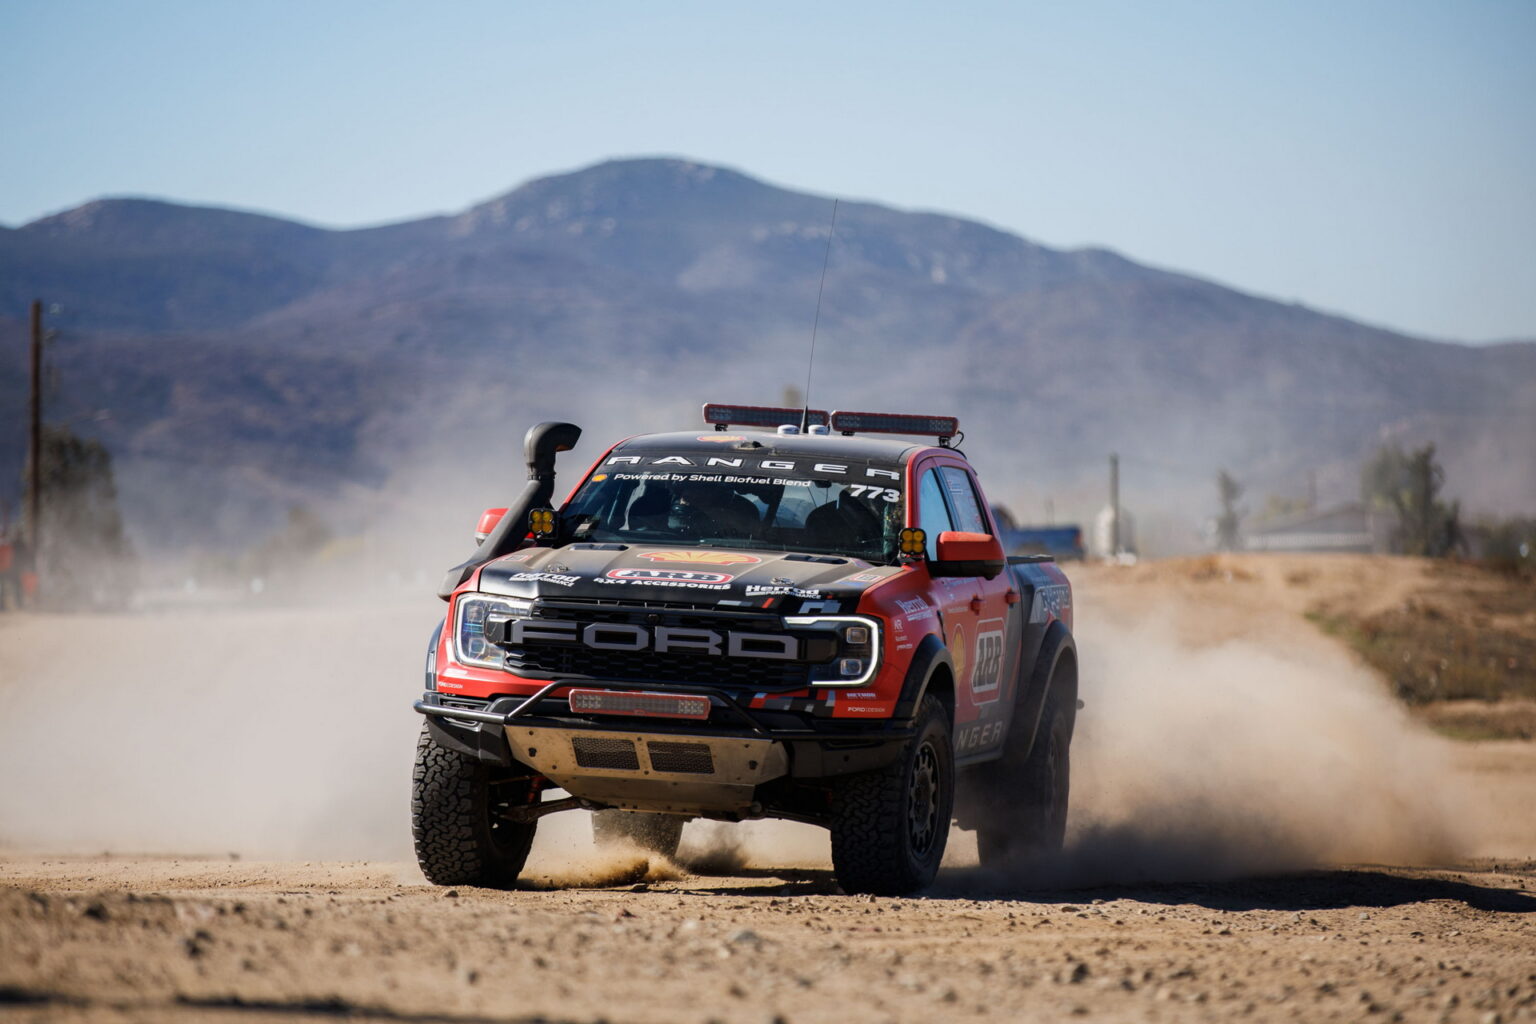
column 456, row 819
column 656, row 833
column 890, row 826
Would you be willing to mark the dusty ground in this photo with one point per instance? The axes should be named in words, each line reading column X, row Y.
column 1239, row 778
column 164, row 940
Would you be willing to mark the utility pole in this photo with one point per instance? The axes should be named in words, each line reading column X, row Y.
column 1427, row 502
column 35, row 438
column 1114, row 505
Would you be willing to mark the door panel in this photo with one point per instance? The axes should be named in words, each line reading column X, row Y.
column 983, row 627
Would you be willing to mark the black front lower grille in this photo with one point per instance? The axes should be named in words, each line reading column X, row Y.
column 558, row 660
column 702, row 670
column 688, row 758
column 601, row 752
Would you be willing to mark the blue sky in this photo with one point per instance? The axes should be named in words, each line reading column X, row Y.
column 1372, row 158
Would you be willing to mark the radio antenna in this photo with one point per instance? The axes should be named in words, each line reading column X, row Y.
column 810, row 364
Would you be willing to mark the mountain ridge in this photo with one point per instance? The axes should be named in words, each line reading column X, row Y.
column 204, row 326
column 454, row 223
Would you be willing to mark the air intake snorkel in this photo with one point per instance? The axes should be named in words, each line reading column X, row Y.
column 540, row 445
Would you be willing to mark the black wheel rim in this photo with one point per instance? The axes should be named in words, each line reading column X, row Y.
column 1055, row 776
column 923, row 800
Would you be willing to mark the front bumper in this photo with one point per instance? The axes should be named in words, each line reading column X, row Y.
column 718, row 768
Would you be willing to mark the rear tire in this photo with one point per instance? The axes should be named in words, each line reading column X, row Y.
column 890, row 826
column 1028, row 816
column 656, row 833
column 461, row 836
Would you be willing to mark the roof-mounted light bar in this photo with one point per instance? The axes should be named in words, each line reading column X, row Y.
column 769, row 416
column 942, row 427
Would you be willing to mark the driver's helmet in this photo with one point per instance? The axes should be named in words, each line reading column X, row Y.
column 728, row 513
column 696, row 497
column 693, row 506
column 651, row 508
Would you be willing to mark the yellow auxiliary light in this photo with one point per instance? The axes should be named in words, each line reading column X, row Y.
column 913, row 541
column 541, row 521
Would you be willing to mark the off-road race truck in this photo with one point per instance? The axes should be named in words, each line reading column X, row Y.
column 783, row 617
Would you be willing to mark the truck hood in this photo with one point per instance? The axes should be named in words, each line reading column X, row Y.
column 788, row 582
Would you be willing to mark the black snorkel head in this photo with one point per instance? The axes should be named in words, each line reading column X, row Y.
column 542, row 442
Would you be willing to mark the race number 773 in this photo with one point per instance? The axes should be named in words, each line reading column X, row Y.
column 871, row 492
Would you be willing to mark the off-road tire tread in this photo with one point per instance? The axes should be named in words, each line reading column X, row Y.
column 865, row 855
column 453, row 845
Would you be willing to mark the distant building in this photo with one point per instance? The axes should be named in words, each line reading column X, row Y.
column 1344, row 528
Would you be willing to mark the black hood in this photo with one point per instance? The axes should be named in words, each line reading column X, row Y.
column 674, row 574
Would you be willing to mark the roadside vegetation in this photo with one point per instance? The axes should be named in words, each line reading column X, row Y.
column 1469, row 636
column 1461, row 649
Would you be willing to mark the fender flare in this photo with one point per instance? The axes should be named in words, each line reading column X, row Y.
column 1031, row 699
column 432, row 656
column 931, row 654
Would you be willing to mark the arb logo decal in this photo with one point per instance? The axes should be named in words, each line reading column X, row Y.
column 702, row 557
column 670, row 575
column 989, row 663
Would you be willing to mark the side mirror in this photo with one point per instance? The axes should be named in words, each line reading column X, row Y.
column 488, row 520
column 968, row 554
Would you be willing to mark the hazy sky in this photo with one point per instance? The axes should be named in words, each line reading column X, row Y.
column 1375, row 158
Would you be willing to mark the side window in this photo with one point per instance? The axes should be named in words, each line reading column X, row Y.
column 932, row 515
column 962, row 500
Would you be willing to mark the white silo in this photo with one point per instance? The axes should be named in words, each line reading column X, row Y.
column 1104, row 532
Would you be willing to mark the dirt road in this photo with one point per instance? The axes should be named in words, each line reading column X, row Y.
column 165, row 940
column 1229, row 760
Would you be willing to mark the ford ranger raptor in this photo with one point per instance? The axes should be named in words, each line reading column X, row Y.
column 793, row 615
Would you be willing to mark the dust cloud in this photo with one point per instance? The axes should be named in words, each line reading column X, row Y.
column 1273, row 752
column 272, row 732
column 718, row 848
column 564, row 857
column 714, row 848
column 599, row 868
column 287, row 733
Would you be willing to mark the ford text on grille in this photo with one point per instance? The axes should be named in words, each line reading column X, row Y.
column 618, row 636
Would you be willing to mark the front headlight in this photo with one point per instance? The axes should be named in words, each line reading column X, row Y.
column 858, row 648
column 470, row 613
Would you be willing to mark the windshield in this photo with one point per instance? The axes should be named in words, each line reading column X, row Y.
column 847, row 508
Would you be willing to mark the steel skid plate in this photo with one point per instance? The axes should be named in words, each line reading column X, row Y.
column 679, row 773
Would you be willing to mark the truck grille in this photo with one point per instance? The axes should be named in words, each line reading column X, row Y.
column 702, row 670
column 566, row 660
